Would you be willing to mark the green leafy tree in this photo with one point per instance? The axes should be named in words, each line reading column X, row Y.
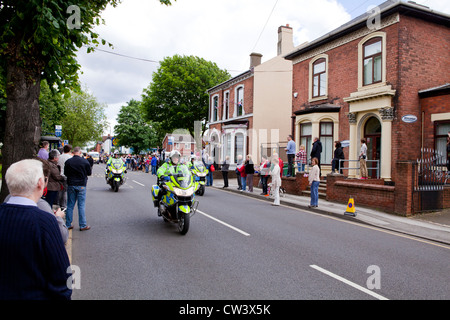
column 84, row 120
column 39, row 40
column 52, row 108
column 177, row 95
column 132, row 131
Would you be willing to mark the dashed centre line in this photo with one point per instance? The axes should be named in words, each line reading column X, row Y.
column 354, row 285
column 225, row 224
column 138, row 183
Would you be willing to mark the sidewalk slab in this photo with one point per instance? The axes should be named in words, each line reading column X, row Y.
column 418, row 226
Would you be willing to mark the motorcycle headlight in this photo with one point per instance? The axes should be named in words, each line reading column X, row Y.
column 201, row 174
column 116, row 171
column 183, row 192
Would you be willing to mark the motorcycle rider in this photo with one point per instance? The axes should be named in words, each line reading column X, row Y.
column 109, row 163
column 166, row 168
column 192, row 163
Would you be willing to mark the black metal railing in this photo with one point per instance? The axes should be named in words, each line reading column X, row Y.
column 430, row 173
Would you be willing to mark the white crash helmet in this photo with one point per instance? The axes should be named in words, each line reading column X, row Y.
column 174, row 153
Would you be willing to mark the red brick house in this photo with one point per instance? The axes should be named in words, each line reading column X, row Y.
column 179, row 140
column 230, row 115
column 384, row 78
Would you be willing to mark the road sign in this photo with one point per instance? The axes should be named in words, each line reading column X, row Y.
column 58, row 130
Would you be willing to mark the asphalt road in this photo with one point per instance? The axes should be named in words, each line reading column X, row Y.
column 241, row 248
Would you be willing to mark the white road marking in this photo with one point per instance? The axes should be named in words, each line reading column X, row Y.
column 354, row 285
column 224, row 223
column 138, row 183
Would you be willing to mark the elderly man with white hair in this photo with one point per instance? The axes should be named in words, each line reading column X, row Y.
column 34, row 261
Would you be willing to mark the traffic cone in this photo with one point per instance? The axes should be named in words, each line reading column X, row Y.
column 351, row 211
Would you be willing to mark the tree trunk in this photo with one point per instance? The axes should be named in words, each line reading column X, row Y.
column 23, row 121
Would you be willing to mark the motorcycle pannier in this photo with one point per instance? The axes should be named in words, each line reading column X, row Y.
column 155, row 192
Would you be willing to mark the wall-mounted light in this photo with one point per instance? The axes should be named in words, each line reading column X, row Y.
column 295, row 94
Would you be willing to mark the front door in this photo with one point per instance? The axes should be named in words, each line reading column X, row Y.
column 372, row 134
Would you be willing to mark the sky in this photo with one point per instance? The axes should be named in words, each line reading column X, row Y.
column 144, row 32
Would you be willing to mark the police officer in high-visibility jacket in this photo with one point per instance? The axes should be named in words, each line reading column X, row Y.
column 167, row 168
column 170, row 166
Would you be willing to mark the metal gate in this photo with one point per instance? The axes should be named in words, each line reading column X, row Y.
column 430, row 179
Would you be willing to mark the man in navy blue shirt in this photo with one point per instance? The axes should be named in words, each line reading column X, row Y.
column 34, row 261
column 290, row 151
column 77, row 170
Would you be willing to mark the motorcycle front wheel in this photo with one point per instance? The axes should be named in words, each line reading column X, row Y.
column 183, row 223
column 115, row 186
column 201, row 190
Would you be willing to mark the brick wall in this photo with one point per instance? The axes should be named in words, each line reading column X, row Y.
column 446, row 202
column 404, row 188
column 368, row 193
column 423, row 63
column 432, row 105
column 295, row 185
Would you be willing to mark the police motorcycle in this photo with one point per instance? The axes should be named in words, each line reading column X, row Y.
column 174, row 196
column 199, row 171
column 115, row 173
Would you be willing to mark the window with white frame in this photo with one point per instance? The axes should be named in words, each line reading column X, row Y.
column 215, row 108
column 238, row 146
column 227, row 146
column 306, row 138
column 319, row 78
column 226, row 105
column 442, row 128
column 373, row 59
column 239, row 104
column 326, row 138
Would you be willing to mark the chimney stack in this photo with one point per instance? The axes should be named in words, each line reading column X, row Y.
column 285, row 40
column 255, row 59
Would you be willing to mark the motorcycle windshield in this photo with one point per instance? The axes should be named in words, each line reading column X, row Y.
column 183, row 177
column 117, row 164
column 199, row 166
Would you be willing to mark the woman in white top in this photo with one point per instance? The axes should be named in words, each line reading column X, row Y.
column 314, row 181
column 276, row 180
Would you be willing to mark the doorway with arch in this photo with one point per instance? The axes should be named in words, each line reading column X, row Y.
column 372, row 134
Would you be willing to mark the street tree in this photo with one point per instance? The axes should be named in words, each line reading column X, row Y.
column 52, row 108
column 84, row 120
column 2, row 112
column 39, row 40
column 177, row 96
column 132, row 131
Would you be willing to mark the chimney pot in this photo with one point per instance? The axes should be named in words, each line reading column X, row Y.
column 255, row 59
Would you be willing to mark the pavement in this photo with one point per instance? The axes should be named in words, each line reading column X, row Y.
column 434, row 226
